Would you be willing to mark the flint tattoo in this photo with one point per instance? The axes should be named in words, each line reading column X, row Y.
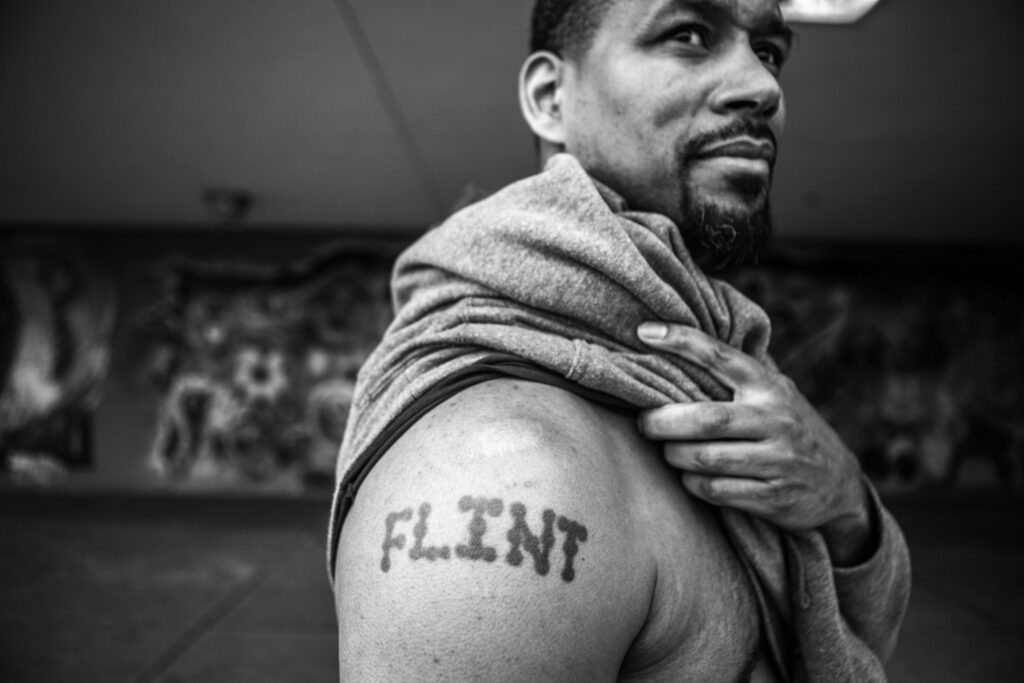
column 523, row 540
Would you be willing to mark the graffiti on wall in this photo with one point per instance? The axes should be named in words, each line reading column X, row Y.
column 257, row 365
column 921, row 373
column 57, row 316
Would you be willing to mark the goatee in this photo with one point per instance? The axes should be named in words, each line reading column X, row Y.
column 720, row 238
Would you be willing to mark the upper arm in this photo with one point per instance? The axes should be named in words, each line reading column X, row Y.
column 491, row 543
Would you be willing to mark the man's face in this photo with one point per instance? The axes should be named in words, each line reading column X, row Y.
column 677, row 106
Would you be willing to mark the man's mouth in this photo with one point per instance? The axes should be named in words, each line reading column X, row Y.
column 741, row 148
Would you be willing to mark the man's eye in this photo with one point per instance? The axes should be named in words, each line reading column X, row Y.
column 691, row 35
column 772, row 55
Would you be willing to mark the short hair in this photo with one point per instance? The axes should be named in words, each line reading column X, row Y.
column 566, row 27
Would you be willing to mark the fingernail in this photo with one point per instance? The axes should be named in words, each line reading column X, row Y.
column 652, row 331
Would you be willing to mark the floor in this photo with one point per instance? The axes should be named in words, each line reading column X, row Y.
column 175, row 589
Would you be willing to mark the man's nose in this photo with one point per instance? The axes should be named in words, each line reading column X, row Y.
column 748, row 87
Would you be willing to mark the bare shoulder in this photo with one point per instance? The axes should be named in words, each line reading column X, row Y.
column 494, row 542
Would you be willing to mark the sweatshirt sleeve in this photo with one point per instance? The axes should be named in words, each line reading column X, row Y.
column 873, row 595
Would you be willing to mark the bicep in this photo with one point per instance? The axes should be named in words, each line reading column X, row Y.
column 489, row 566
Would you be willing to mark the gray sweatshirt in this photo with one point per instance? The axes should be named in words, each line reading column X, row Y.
column 556, row 271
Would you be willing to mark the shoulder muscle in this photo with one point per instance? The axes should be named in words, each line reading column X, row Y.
column 491, row 542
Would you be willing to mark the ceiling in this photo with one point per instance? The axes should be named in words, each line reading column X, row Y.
column 374, row 115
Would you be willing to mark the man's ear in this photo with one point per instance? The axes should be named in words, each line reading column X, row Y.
column 540, row 96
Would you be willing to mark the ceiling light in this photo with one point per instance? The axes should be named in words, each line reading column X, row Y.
column 826, row 11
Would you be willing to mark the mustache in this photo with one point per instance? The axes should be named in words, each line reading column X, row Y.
column 745, row 127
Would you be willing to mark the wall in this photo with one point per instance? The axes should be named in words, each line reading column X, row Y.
column 911, row 352
column 137, row 268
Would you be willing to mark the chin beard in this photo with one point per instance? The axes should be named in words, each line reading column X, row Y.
column 720, row 238
column 716, row 236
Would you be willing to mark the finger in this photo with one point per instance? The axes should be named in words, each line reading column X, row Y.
column 724, row 459
column 706, row 421
column 730, row 366
column 749, row 495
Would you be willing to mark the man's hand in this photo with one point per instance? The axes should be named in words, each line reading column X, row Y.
column 767, row 452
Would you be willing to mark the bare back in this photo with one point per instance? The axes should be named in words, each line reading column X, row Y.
column 518, row 532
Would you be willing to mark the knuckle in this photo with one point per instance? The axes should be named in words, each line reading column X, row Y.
column 775, row 495
column 784, row 384
column 717, row 417
column 781, row 497
column 720, row 354
column 703, row 459
column 789, row 422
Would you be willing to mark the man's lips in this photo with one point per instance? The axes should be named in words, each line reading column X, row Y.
column 744, row 148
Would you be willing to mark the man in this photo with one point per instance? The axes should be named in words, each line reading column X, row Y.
column 535, row 486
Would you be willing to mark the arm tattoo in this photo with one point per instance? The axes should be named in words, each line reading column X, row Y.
column 418, row 552
column 390, row 540
column 520, row 537
column 574, row 531
column 476, row 550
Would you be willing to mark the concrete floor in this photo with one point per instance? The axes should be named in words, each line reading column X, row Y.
column 134, row 589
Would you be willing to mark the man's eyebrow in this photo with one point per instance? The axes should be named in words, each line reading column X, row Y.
column 774, row 26
column 712, row 10
column 724, row 12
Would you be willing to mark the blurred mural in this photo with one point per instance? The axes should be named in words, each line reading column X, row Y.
column 257, row 365
column 247, row 365
column 920, row 370
column 57, row 315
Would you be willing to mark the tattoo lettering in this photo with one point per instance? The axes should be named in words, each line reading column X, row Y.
column 520, row 537
column 418, row 552
column 574, row 531
column 475, row 549
column 391, row 541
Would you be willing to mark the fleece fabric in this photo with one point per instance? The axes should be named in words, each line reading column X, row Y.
column 555, row 270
